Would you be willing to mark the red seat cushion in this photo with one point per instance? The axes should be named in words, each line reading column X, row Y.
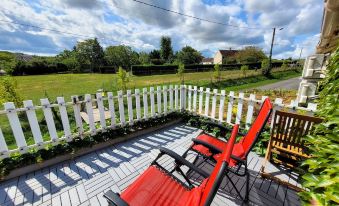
column 155, row 187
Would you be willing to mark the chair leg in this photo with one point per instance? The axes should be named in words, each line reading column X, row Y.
column 247, row 186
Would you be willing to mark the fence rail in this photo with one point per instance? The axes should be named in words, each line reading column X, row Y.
column 92, row 115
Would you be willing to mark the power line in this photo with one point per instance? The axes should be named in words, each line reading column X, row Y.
column 194, row 17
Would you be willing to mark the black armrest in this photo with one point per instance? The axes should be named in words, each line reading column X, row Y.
column 114, row 199
column 183, row 161
column 238, row 159
column 212, row 148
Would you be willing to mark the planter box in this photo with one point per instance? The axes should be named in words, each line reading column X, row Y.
column 58, row 159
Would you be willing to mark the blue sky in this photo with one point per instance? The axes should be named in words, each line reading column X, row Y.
column 140, row 26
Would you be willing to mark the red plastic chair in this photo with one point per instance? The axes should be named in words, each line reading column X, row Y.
column 211, row 147
column 157, row 186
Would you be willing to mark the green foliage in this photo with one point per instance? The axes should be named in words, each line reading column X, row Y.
column 284, row 65
column 250, row 54
column 123, row 79
column 121, row 56
column 8, row 91
column 181, row 73
column 166, row 51
column 144, row 58
column 322, row 177
column 217, row 72
column 90, row 53
column 244, row 69
column 265, row 66
column 8, row 61
column 189, row 55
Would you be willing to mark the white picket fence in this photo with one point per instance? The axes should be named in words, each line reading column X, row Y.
column 161, row 101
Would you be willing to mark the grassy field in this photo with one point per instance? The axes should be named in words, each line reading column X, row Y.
column 40, row 86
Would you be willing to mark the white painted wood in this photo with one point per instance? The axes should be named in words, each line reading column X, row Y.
column 152, row 101
column 121, row 108
column 239, row 109
column 165, row 98
column 16, row 126
column 159, row 100
column 185, row 98
column 250, row 109
column 111, row 108
column 190, row 98
column 33, row 122
column 64, row 118
column 171, row 97
column 311, row 107
column 129, row 107
column 207, row 101
column 214, row 102
column 46, row 108
column 101, row 108
column 3, row 145
column 230, row 107
column 77, row 116
column 201, row 93
column 277, row 105
column 181, row 101
column 195, row 92
column 89, row 111
column 176, row 95
column 145, row 103
column 137, row 103
column 221, row 105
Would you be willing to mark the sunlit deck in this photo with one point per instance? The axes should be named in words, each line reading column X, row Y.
column 83, row 181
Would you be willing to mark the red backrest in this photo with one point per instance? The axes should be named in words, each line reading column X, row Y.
column 210, row 186
column 250, row 138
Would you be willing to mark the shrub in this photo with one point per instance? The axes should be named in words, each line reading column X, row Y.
column 8, row 91
column 244, row 69
column 181, row 73
column 217, row 72
column 265, row 66
column 123, row 79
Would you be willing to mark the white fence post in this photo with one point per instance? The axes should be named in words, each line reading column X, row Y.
column 3, row 146
column 129, row 107
column 121, row 108
column 195, row 91
column 145, row 102
column 207, row 101
column 159, row 99
column 250, row 109
column 230, row 107
column 152, row 101
column 312, row 108
column 89, row 111
column 46, row 108
column 101, row 108
column 64, row 118
column 16, row 127
column 33, row 122
column 190, row 98
column 181, row 102
column 137, row 103
column 77, row 116
column 176, row 97
column 277, row 105
column 221, row 106
column 111, row 108
column 239, row 109
column 165, row 99
column 171, row 97
column 214, row 103
column 201, row 93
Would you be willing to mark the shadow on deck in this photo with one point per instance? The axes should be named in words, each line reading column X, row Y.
column 83, row 181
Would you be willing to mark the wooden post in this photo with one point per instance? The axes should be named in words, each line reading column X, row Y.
column 239, row 109
column 46, row 108
column 111, row 108
column 152, row 101
column 159, row 100
column 101, row 108
column 3, row 146
column 195, row 91
column 77, row 116
column 64, row 118
column 137, row 103
column 201, row 93
column 121, row 108
column 176, row 97
column 230, row 107
column 130, row 107
column 33, row 122
column 190, row 98
column 207, row 101
column 250, row 110
column 89, row 110
column 165, row 99
column 145, row 103
column 221, row 106
column 171, row 97
column 214, row 103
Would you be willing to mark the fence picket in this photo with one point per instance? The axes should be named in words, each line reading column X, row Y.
column 159, row 100
column 33, row 122
column 239, row 109
column 195, row 91
column 121, row 108
column 101, row 108
column 144, row 98
column 3, row 146
column 111, row 108
column 190, row 98
column 221, row 105
column 250, row 109
column 64, row 118
column 77, row 116
column 207, row 101
column 16, row 126
column 152, row 101
column 176, row 97
column 277, row 105
column 201, row 93
column 89, row 111
column 129, row 107
column 214, row 103
column 230, row 107
column 171, row 97
column 165, row 98
column 137, row 103
column 46, row 108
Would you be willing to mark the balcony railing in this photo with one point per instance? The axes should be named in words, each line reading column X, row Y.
column 113, row 111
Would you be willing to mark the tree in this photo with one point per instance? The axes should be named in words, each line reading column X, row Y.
column 121, row 56
column 8, row 91
column 217, row 72
column 8, row 62
column 144, row 58
column 155, row 57
column 90, row 53
column 189, row 55
column 265, row 67
column 166, row 51
column 69, row 59
column 181, row 73
column 123, row 79
column 250, row 54
column 244, row 69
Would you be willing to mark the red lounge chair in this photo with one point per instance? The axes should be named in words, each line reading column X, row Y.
column 211, row 147
column 157, row 186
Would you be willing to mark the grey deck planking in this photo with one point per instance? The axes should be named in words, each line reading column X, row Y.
column 83, row 181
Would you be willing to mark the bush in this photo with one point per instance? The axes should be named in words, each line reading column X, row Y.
column 244, row 69
column 180, row 73
column 265, row 64
column 217, row 72
column 8, row 91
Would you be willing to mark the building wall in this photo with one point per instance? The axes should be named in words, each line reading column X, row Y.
column 217, row 58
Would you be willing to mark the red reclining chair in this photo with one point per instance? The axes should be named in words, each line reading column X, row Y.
column 210, row 147
column 157, row 186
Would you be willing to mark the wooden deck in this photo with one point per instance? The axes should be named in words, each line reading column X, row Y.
column 83, row 181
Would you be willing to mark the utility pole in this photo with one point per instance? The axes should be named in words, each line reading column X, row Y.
column 270, row 58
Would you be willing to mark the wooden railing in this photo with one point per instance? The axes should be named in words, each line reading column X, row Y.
column 112, row 111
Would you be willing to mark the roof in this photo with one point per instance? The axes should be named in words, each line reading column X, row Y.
column 207, row 60
column 228, row 52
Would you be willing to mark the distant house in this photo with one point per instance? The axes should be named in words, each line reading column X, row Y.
column 221, row 55
column 207, row 61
